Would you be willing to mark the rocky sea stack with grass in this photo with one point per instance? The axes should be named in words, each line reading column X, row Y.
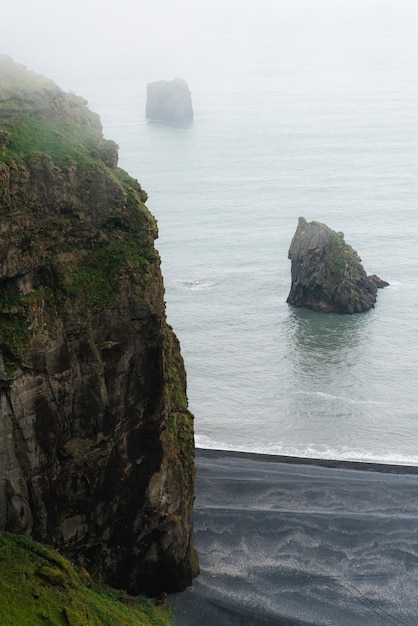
column 327, row 274
column 96, row 439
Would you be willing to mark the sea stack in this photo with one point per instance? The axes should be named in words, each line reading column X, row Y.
column 96, row 439
column 169, row 101
column 327, row 274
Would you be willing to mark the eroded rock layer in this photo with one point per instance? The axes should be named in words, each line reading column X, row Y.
column 327, row 274
column 96, row 440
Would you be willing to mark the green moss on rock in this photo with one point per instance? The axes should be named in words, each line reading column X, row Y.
column 37, row 585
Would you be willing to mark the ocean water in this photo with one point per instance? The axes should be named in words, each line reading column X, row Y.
column 309, row 113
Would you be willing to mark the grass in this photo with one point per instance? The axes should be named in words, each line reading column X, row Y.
column 38, row 117
column 64, row 142
column 93, row 278
column 96, row 277
column 344, row 264
column 39, row 586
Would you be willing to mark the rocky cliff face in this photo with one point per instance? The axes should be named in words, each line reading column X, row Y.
column 327, row 274
column 96, row 440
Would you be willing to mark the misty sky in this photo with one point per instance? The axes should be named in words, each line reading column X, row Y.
column 50, row 36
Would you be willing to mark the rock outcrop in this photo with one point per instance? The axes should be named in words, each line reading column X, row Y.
column 169, row 101
column 327, row 274
column 96, row 439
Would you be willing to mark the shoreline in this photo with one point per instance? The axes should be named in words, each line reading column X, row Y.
column 364, row 466
column 297, row 541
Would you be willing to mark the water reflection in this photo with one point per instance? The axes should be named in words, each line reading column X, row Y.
column 322, row 346
column 328, row 398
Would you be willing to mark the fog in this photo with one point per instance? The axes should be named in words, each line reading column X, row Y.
column 66, row 39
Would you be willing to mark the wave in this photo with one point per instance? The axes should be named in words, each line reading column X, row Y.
column 192, row 285
column 330, row 396
column 312, row 451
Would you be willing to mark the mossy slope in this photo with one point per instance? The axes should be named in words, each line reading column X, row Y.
column 38, row 586
column 37, row 116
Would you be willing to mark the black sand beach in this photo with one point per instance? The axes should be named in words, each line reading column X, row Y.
column 292, row 542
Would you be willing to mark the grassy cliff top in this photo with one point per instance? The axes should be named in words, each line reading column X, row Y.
column 37, row 116
column 39, row 586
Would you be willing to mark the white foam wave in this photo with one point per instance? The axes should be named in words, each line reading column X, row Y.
column 330, row 396
column 312, row 451
column 192, row 285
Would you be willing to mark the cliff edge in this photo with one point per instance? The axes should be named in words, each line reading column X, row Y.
column 96, row 439
column 327, row 274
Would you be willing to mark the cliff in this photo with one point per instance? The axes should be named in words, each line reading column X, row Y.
column 96, row 439
column 327, row 274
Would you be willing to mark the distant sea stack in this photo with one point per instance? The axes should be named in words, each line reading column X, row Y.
column 96, row 439
column 169, row 101
column 327, row 274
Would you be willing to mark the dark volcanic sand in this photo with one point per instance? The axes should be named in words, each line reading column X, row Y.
column 296, row 543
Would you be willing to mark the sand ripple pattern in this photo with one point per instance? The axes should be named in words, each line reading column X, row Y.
column 291, row 545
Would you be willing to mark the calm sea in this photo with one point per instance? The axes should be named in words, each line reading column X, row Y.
column 312, row 115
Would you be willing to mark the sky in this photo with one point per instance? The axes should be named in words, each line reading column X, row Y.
column 50, row 36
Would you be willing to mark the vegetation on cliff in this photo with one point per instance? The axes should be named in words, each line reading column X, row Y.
column 39, row 586
column 97, row 447
column 38, row 117
column 50, row 139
